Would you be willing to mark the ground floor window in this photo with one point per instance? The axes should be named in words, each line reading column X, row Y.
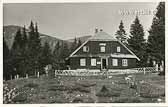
column 82, row 62
column 124, row 62
column 115, row 62
column 93, row 62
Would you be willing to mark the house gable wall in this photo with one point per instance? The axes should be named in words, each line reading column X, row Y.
column 94, row 48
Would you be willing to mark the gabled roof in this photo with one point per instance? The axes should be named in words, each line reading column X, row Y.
column 103, row 36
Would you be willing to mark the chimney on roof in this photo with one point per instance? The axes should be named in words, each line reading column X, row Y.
column 101, row 30
column 96, row 30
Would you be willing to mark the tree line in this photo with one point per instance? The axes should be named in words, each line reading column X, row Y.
column 29, row 56
column 152, row 49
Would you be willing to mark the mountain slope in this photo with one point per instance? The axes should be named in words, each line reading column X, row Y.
column 9, row 33
column 83, row 38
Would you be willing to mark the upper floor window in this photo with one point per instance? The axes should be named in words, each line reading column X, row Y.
column 82, row 62
column 118, row 49
column 102, row 49
column 85, row 49
column 124, row 62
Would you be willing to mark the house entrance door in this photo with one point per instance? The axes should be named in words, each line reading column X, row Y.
column 104, row 63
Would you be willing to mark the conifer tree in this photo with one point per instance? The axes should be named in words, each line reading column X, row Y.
column 56, row 55
column 46, row 57
column 137, row 42
column 64, row 54
column 6, row 68
column 79, row 43
column 74, row 45
column 34, row 47
column 156, row 38
column 16, row 53
column 121, row 34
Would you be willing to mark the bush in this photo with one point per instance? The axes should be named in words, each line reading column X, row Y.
column 127, row 100
column 31, row 85
column 20, row 98
column 148, row 91
column 78, row 100
column 86, row 84
column 80, row 89
column 59, row 88
column 104, row 92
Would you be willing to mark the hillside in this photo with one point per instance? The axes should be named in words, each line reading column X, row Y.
column 10, row 32
column 82, row 38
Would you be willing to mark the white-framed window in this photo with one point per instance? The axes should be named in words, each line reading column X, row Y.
column 124, row 62
column 93, row 62
column 85, row 49
column 82, row 62
column 115, row 62
column 118, row 49
column 102, row 49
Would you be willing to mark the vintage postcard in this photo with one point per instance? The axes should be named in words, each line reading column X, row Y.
column 84, row 53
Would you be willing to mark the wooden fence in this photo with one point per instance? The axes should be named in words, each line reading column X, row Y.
column 85, row 72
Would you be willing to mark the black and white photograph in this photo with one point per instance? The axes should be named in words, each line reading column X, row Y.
column 84, row 52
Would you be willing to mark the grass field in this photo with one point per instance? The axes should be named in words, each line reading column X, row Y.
column 149, row 88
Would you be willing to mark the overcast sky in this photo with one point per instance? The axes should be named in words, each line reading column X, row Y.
column 67, row 20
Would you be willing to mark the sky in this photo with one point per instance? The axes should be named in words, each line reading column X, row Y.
column 69, row 20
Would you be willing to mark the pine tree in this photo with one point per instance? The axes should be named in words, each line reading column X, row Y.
column 64, row 54
column 16, row 53
column 121, row 34
column 24, row 54
column 74, row 45
column 56, row 56
column 6, row 67
column 79, row 43
column 34, row 47
column 137, row 42
column 156, row 38
column 46, row 57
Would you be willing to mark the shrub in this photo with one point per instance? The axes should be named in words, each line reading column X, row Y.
column 59, row 88
column 80, row 89
column 78, row 100
column 148, row 91
column 20, row 98
column 104, row 92
column 127, row 100
column 31, row 85
column 86, row 84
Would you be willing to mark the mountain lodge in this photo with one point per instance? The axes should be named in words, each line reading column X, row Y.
column 102, row 51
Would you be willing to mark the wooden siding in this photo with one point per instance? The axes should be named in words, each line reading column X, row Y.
column 75, row 63
column 111, row 47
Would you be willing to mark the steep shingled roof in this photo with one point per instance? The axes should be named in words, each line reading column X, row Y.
column 102, row 36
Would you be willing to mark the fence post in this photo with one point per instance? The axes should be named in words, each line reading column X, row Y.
column 144, row 71
column 38, row 74
column 156, row 67
column 27, row 76
column 55, row 73
column 11, row 77
column 17, row 76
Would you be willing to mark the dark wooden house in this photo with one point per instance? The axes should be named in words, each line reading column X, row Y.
column 102, row 51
